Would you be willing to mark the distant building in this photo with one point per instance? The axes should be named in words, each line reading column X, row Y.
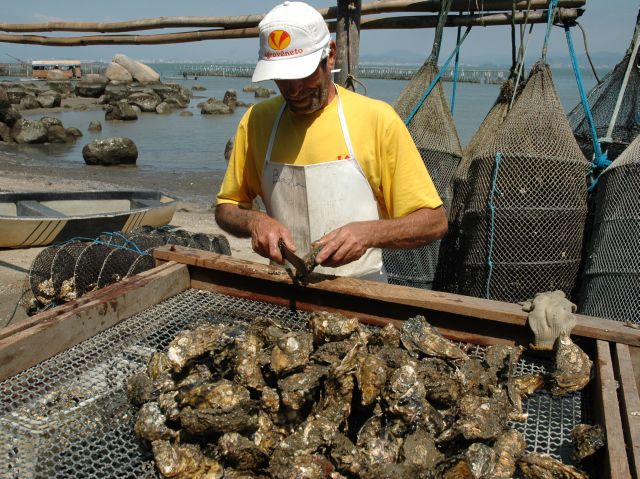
column 41, row 68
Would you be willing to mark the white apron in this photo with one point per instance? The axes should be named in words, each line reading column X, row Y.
column 313, row 200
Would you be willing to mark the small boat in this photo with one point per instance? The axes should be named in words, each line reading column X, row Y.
column 43, row 218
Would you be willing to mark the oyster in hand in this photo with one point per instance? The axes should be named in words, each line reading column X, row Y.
column 541, row 466
column 572, row 367
column 418, row 335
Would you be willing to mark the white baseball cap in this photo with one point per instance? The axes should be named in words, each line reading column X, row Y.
column 293, row 39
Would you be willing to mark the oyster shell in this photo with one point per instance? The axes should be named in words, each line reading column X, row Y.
column 140, row 389
column 371, row 376
column 418, row 335
column 404, row 394
column 376, row 444
column 419, row 449
column 247, row 365
column 291, row 352
column 441, row 382
column 481, row 417
column 345, row 455
column 184, row 461
column 298, row 390
column 587, row 440
column 150, row 423
column 192, row 344
column 158, row 365
column 541, row 466
column 269, row 330
column 388, row 336
column 241, row 453
column 572, row 367
column 328, row 327
column 508, row 448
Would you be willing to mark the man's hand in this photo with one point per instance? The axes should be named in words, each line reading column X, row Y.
column 345, row 245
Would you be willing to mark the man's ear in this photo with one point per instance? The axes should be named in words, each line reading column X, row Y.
column 331, row 60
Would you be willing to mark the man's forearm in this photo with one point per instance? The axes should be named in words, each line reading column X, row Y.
column 414, row 230
column 235, row 220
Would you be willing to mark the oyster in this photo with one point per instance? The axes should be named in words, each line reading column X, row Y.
column 328, row 327
column 508, row 448
column 404, row 395
column 371, row 376
column 184, row 461
column 189, row 345
column 196, row 375
column 441, row 382
column 299, row 389
column 572, row 367
column 418, row 335
column 587, row 440
column 291, row 353
column 247, row 365
column 519, row 388
column 241, row 453
column 267, row 436
column 68, row 290
column 345, row 455
column 150, row 423
column 419, row 449
column 481, row 459
column 541, row 466
column 481, row 417
column 376, row 444
column 331, row 353
column 503, row 358
column 139, row 389
column 158, row 365
column 307, row 466
column 269, row 330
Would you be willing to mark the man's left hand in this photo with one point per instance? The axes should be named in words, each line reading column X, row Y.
column 345, row 244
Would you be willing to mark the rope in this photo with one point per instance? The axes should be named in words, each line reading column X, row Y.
column 455, row 71
column 351, row 79
column 436, row 79
column 135, row 248
column 550, row 15
column 586, row 51
column 513, row 36
column 520, row 67
column 599, row 160
column 492, row 209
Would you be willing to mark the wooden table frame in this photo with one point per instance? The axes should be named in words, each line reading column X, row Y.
column 616, row 403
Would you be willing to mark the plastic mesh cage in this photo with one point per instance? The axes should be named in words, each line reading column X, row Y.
column 602, row 100
column 446, row 275
column 69, row 416
column 523, row 219
column 434, row 133
column 611, row 282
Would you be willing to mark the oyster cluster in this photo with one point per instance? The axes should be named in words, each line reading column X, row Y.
column 338, row 400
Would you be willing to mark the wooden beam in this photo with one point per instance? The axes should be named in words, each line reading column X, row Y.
column 51, row 332
column 348, row 42
column 504, row 318
column 630, row 406
column 616, row 464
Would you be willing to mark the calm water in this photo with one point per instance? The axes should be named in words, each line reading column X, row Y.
column 175, row 143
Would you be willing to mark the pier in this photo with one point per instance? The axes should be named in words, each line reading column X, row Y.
column 24, row 70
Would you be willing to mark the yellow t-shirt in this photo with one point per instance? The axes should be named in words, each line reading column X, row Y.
column 382, row 145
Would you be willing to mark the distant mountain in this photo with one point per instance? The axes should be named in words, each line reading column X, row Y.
column 393, row 57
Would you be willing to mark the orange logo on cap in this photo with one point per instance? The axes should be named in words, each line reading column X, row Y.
column 279, row 39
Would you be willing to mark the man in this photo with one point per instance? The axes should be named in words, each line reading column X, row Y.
column 331, row 166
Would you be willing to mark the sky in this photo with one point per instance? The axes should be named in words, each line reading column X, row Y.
column 609, row 25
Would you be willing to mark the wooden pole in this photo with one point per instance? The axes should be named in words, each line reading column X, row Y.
column 348, row 41
column 564, row 14
column 248, row 21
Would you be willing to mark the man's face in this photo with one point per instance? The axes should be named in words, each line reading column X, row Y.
column 310, row 94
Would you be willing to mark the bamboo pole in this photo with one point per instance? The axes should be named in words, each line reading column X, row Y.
column 564, row 14
column 248, row 21
column 348, row 42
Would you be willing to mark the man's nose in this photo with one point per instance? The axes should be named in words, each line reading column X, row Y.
column 293, row 87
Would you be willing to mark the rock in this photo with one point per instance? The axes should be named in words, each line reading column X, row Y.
column 95, row 126
column 120, row 111
column 198, row 88
column 62, row 87
column 4, row 99
column 177, row 101
column 25, row 131
column 10, row 116
column 49, row 99
column 139, row 71
column 214, row 106
column 114, row 93
column 136, row 109
column 163, row 91
column 146, row 101
column 251, row 88
column 230, row 98
column 49, row 121
column 184, row 91
column 228, row 149
column 164, row 108
column 186, row 113
column 90, row 90
column 95, row 78
column 262, row 92
column 5, row 133
column 15, row 94
column 56, row 75
column 57, row 134
column 29, row 102
column 74, row 132
column 110, row 151
column 118, row 74
column 243, row 104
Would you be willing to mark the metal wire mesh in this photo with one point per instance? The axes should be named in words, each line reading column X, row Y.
column 524, row 214
column 69, row 416
column 611, row 282
column 434, row 133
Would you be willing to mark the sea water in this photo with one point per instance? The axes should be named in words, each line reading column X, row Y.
column 196, row 143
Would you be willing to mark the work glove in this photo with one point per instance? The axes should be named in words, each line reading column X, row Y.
column 550, row 315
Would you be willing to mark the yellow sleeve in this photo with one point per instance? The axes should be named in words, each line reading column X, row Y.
column 240, row 185
column 406, row 183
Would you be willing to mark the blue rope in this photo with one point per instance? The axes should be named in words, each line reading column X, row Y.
column 455, row 71
column 552, row 6
column 436, row 79
column 135, row 248
column 599, row 160
column 492, row 209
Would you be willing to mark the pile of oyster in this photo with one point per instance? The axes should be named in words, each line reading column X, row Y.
column 344, row 401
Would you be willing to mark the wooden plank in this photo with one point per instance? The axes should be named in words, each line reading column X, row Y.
column 35, row 209
column 630, row 408
column 616, row 464
column 61, row 328
column 465, row 308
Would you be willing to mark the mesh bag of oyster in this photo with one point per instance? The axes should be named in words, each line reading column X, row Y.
column 342, row 400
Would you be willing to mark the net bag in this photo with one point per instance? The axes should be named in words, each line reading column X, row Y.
column 611, row 279
column 116, row 266
column 446, row 275
column 62, row 269
column 602, row 100
column 524, row 215
column 89, row 265
column 436, row 138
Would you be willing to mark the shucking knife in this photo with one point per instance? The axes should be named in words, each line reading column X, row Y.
column 302, row 269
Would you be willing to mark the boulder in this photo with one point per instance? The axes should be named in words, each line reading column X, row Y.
column 74, row 132
column 29, row 102
column 228, row 148
column 49, row 99
column 9, row 116
column 90, row 89
column 139, row 71
column 146, row 101
column 136, row 109
column 214, row 106
column 49, row 121
column 57, row 134
column 62, row 87
column 164, row 108
column 95, row 126
column 163, row 91
column 25, row 131
column 56, row 75
column 5, row 133
column 4, row 99
column 120, row 111
column 117, row 74
column 177, row 101
column 230, row 98
column 186, row 113
column 251, row 87
column 95, row 78
column 114, row 93
column 15, row 94
column 262, row 92
column 110, row 151
column 198, row 88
